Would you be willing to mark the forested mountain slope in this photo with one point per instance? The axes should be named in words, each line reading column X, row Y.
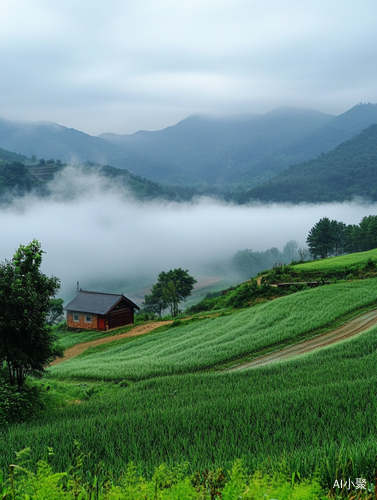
column 333, row 133
column 6, row 156
column 243, row 150
column 229, row 152
column 348, row 171
column 220, row 150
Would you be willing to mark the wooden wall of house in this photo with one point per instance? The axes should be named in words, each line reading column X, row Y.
column 120, row 317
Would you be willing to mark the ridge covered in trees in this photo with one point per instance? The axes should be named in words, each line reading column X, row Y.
column 344, row 173
column 328, row 238
column 223, row 152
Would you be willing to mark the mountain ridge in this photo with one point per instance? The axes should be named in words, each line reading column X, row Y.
column 237, row 152
column 342, row 174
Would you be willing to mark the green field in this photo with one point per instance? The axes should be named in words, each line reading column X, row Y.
column 352, row 261
column 214, row 341
column 69, row 338
column 156, row 399
column 308, row 410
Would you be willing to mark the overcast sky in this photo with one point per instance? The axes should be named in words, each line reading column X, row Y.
column 121, row 65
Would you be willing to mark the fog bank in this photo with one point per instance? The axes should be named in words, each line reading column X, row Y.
column 100, row 234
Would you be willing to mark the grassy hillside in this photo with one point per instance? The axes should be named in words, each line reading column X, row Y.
column 315, row 411
column 166, row 398
column 355, row 266
column 207, row 343
column 350, row 261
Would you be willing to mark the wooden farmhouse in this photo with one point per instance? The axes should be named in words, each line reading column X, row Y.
column 99, row 311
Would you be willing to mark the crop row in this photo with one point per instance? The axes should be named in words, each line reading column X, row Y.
column 315, row 411
column 352, row 261
column 207, row 343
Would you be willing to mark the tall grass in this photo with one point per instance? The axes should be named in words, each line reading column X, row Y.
column 208, row 343
column 352, row 261
column 68, row 337
column 316, row 411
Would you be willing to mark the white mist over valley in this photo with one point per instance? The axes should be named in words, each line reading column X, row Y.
column 93, row 233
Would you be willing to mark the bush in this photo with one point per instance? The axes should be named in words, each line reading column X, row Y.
column 19, row 404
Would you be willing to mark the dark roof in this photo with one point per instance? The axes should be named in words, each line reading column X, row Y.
column 96, row 302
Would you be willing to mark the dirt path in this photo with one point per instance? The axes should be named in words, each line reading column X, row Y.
column 353, row 327
column 77, row 349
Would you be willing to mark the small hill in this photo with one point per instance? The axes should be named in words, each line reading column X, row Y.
column 344, row 173
column 19, row 178
column 8, row 156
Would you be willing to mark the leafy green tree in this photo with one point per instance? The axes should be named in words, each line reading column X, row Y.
column 26, row 341
column 172, row 287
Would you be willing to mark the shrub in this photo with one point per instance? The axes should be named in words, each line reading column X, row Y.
column 19, row 404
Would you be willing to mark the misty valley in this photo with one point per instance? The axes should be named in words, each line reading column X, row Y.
column 257, row 379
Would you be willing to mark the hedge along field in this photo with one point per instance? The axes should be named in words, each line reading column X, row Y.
column 208, row 343
column 352, row 260
column 309, row 410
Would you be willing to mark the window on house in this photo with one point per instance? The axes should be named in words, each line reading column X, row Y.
column 75, row 317
column 88, row 319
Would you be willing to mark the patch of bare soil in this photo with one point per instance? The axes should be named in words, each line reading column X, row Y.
column 77, row 349
column 350, row 329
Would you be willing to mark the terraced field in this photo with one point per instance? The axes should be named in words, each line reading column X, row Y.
column 218, row 340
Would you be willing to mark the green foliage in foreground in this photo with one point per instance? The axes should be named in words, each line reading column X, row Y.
column 165, row 484
column 213, row 341
column 18, row 404
column 316, row 411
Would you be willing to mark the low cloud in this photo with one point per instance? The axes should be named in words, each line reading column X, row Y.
column 92, row 232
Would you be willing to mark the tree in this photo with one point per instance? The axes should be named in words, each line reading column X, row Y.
column 55, row 312
column 26, row 341
column 154, row 302
column 321, row 238
column 172, row 287
column 303, row 253
column 290, row 251
column 338, row 230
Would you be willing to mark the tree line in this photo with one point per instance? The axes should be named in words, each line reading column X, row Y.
column 330, row 237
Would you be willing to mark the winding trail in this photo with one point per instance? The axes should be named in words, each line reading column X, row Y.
column 350, row 329
column 77, row 349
